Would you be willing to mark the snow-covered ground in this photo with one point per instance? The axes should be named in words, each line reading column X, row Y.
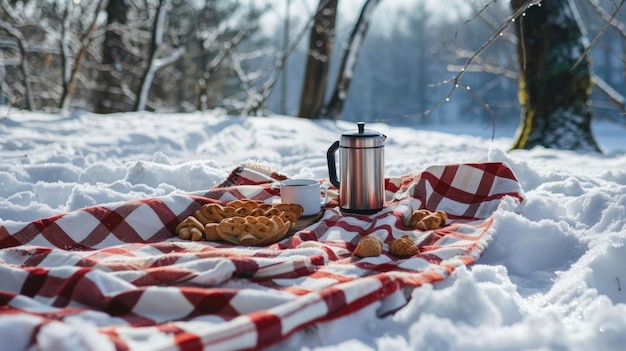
column 552, row 278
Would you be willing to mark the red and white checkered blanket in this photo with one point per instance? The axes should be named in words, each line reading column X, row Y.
column 114, row 276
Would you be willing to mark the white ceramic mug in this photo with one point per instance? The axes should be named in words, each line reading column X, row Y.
column 305, row 192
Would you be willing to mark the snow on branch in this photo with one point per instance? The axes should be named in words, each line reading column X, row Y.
column 474, row 58
column 256, row 103
column 597, row 37
column 616, row 98
column 155, row 63
column 619, row 26
column 70, row 75
column 350, row 55
column 24, row 67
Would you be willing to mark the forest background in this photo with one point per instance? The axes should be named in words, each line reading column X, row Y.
column 249, row 57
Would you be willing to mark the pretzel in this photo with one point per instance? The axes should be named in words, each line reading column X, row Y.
column 242, row 211
column 230, row 211
column 214, row 212
column 280, row 231
column 232, row 226
column 403, row 247
column 288, row 216
column 244, row 203
column 264, row 226
column 257, row 212
column 272, row 212
column 369, row 246
column 252, row 230
column 296, row 208
column 265, row 207
column 426, row 220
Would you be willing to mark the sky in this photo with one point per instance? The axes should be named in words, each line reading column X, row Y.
column 454, row 11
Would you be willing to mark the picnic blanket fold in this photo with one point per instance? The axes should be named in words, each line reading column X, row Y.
column 112, row 267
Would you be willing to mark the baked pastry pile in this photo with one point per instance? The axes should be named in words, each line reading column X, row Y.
column 371, row 246
column 255, row 223
column 240, row 222
column 404, row 246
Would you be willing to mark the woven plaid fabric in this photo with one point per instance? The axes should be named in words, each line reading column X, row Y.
column 115, row 277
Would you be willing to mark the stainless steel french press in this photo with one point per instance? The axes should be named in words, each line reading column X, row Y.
column 361, row 181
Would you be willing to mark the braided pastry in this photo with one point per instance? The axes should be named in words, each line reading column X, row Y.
column 255, row 231
column 241, row 222
column 190, row 229
column 369, row 246
column 403, row 247
column 426, row 220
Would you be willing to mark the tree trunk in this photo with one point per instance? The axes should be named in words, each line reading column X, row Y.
column 346, row 72
column 318, row 61
column 553, row 89
column 112, row 99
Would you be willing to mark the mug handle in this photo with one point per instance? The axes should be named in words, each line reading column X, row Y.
column 324, row 190
column 332, row 168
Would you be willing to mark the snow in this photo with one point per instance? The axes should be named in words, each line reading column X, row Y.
column 552, row 277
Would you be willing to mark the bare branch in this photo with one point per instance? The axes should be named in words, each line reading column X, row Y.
column 481, row 65
column 621, row 28
column 10, row 11
column 348, row 61
column 217, row 61
column 478, row 13
column 507, row 22
column 155, row 63
column 618, row 100
column 70, row 80
column 25, row 68
column 228, row 47
column 597, row 37
column 269, row 84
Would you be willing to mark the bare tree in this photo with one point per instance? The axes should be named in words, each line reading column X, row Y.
column 111, row 98
column 209, row 67
column 617, row 99
column 52, row 49
column 154, row 62
column 257, row 99
column 555, row 76
column 220, row 68
column 71, row 71
column 24, row 66
column 318, row 62
column 348, row 62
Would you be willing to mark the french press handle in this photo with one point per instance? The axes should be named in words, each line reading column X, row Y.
column 332, row 167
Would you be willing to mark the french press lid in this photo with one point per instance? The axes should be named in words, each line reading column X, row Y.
column 362, row 138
